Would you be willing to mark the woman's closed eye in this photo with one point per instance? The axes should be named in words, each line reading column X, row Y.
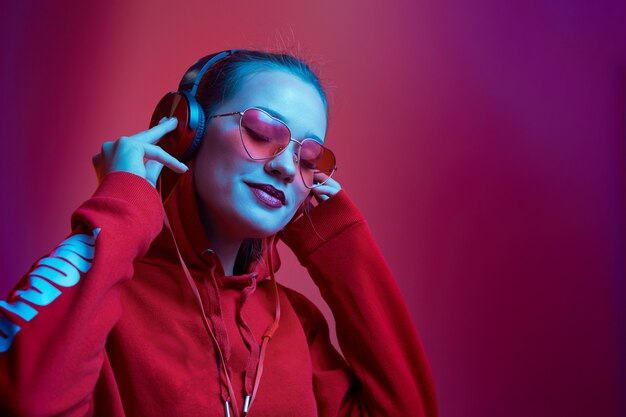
column 257, row 135
column 312, row 165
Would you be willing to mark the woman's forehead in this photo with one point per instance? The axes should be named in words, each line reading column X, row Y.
column 285, row 96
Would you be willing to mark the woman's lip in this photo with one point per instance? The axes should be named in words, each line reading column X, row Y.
column 266, row 198
column 264, row 195
column 269, row 190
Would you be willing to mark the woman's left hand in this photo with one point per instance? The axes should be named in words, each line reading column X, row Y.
column 329, row 189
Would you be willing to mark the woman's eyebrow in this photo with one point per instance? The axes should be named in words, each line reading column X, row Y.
column 281, row 117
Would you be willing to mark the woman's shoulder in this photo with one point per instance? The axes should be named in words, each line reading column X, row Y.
column 300, row 303
column 308, row 313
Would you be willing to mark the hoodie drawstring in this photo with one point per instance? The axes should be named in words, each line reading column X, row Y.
column 249, row 340
column 223, row 375
column 220, row 336
column 269, row 332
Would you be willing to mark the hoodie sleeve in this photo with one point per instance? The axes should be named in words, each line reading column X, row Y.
column 390, row 374
column 55, row 322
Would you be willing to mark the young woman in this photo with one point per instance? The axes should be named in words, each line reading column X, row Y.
column 127, row 317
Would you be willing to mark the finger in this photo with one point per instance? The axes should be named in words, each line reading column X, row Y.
column 321, row 197
column 323, row 193
column 158, row 154
column 323, row 177
column 153, row 169
column 155, row 133
column 325, row 190
column 318, row 197
column 327, row 182
column 98, row 159
column 328, row 187
column 95, row 160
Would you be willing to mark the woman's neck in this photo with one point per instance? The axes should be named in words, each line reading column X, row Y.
column 225, row 249
column 223, row 244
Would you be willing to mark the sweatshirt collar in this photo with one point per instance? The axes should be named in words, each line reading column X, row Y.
column 181, row 207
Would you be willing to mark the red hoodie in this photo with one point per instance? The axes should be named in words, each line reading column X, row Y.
column 108, row 325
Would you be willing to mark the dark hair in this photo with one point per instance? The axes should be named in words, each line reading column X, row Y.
column 222, row 82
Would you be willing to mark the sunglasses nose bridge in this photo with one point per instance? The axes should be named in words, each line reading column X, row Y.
column 286, row 161
column 295, row 150
column 297, row 145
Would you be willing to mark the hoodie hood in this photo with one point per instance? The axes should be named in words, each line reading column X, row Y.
column 181, row 207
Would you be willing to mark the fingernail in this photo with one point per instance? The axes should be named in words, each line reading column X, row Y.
column 162, row 120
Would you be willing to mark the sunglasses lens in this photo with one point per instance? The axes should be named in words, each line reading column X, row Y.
column 315, row 158
column 263, row 136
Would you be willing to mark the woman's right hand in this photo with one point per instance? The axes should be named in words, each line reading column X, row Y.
column 138, row 154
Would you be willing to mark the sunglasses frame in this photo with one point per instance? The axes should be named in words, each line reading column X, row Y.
column 291, row 139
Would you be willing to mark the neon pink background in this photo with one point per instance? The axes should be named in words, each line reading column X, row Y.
column 483, row 142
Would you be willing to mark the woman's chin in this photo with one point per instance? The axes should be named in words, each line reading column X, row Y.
column 264, row 226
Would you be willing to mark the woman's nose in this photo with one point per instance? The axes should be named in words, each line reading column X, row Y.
column 284, row 165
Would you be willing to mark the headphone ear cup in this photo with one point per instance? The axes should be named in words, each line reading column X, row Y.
column 179, row 141
column 199, row 121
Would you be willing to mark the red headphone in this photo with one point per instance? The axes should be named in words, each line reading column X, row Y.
column 185, row 140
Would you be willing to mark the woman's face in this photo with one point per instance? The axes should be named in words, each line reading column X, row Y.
column 223, row 170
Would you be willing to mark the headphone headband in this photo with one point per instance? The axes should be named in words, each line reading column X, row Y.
column 208, row 65
column 197, row 71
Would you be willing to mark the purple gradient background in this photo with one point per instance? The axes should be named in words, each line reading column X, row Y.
column 483, row 142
